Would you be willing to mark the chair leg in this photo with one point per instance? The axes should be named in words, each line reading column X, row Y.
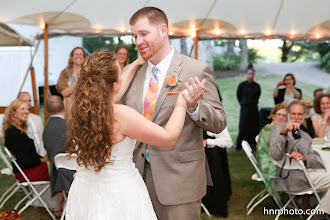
column 22, row 200
column 205, row 210
column 4, row 199
column 37, row 196
column 281, row 210
column 259, row 195
column 257, row 203
column 311, row 215
column 65, row 201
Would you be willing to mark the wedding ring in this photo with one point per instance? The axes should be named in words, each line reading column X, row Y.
column 192, row 96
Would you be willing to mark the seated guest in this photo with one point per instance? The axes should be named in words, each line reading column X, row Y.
column 14, row 131
column 35, row 125
column 321, row 121
column 268, row 170
column 289, row 92
column 216, row 199
column 284, row 141
column 54, row 139
column 316, row 93
column 307, row 124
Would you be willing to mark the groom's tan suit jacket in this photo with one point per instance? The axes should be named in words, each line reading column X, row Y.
column 179, row 172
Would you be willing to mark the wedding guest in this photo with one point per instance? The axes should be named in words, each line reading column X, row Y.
column 217, row 196
column 321, row 121
column 289, row 92
column 15, row 133
column 278, row 115
column 248, row 93
column 317, row 92
column 35, row 125
column 54, row 139
column 307, row 124
column 121, row 52
column 69, row 76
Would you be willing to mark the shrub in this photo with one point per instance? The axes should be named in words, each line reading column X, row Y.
column 221, row 63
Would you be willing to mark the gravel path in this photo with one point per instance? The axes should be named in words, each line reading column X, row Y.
column 305, row 72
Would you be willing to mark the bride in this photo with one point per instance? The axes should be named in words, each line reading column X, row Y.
column 103, row 135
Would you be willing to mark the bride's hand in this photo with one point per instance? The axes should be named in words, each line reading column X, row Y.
column 139, row 61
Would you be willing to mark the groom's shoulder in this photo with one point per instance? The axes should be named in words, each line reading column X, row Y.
column 192, row 62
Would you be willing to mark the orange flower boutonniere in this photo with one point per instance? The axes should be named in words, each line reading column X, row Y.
column 172, row 80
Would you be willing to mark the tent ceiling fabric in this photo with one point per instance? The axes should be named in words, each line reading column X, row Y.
column 286, row 19
column 9, row 37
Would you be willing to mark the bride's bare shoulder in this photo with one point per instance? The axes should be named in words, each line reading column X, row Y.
column 123, row 110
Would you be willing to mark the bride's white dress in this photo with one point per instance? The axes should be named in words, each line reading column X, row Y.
column 116, row 192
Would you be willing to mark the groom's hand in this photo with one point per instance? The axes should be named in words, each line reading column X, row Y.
column 195, row 92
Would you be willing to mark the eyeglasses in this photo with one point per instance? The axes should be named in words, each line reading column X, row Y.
column 279, row 114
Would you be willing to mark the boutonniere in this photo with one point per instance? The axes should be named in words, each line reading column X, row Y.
column 172, row 80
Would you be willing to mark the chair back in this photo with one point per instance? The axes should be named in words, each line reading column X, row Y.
column 246, row 147
column 66, row 161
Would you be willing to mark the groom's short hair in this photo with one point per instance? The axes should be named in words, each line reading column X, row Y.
column 153, row 14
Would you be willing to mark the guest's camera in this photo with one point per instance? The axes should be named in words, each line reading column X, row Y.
column 282, row 83
column 296, row 134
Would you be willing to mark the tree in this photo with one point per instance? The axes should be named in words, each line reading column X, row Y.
column 286, row 47
column 244, row 54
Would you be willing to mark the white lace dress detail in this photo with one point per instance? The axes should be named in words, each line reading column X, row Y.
column 116, row 192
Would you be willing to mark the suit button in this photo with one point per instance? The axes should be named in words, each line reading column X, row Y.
column 142, row 154
column 203, row 119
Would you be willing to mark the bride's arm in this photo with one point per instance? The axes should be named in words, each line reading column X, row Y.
column 127, row 77
column 134, row 125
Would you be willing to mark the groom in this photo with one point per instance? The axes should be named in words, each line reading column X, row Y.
column 175, row 177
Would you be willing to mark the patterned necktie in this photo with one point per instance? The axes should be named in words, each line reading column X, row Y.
column 150, row 100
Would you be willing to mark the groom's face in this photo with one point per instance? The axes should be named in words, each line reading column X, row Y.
column 149, row 38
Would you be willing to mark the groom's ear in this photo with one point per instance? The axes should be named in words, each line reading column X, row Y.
column 164, row 30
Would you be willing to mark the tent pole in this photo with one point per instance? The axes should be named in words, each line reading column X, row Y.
column 28, row 69
column 196, row 45
column 34, row 90
column 46, row 86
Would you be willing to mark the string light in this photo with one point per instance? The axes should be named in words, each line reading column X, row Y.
column 170, row 33
column 318, row 36
column 42, row 25
column 193, row 34
column 242, row 32
column 98, row 28
column 217, row 31
column 293, row 32
column 122, row 29
column 268, row 32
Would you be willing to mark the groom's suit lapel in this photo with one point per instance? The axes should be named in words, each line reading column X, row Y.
column 174, row 69
column 140, row 76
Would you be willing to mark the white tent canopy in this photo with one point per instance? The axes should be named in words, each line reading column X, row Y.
column 9, row 37
column 286, row 19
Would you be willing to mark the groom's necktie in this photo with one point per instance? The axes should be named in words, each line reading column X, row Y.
column 150, row 100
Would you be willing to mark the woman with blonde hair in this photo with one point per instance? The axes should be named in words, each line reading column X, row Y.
column 14, row 131
column 69, row 76
column 103, row 135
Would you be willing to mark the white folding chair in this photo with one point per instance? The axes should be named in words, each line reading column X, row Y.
column 65, row 161
column 15, row 187
column 32, row 186
column 257, row 177
column 292, row 195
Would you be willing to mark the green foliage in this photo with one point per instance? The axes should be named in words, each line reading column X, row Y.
column 109, row 43
column 324, row 51
column 253, row 56
column 219, row 43
column 221, row 63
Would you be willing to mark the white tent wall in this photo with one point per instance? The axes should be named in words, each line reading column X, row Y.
column 14, row 62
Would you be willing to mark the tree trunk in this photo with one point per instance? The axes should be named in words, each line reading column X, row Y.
column 244, row 55
column 230, row 50
column 286, row 50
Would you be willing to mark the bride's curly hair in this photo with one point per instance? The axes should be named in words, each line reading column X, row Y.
column 90, row 130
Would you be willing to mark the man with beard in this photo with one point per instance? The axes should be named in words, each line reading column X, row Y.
column 175, row 177
column 288, row 138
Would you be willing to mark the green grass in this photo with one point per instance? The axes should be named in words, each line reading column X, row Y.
column 240, row 168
